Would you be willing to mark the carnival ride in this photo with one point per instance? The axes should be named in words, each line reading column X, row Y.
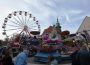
column 18, row 26
column 20, row 22
column 49, row 48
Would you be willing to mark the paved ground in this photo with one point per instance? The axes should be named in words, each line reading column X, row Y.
column 30, row 62
column 46, row 64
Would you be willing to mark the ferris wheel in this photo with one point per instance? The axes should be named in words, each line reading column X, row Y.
column 20, row 22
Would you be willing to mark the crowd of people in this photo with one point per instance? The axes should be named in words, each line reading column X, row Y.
column 7, row 59
column 80, row 56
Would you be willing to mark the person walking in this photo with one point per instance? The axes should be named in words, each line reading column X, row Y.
column 82, row 55
column 74, row 59
column 21, row 58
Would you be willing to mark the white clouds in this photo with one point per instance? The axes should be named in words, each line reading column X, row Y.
column 46, row 11
column 75, row 12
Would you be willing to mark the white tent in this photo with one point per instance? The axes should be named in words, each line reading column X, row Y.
column 84, row 29
column 85, row 25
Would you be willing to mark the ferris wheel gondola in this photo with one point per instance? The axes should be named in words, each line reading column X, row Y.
column 20, row 22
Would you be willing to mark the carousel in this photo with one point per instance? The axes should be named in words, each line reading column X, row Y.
column 50, row 46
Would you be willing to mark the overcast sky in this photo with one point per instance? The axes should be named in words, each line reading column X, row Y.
column 71, row 13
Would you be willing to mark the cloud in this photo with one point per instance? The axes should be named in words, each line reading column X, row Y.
column 70, row 12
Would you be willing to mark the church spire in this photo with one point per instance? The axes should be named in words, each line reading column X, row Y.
column 58, row 27
column 57, row 20
column 58, row 24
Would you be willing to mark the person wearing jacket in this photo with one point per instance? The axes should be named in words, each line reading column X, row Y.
column 21, row 58
column 82, row 55
column 7, row 59
column 74, row 59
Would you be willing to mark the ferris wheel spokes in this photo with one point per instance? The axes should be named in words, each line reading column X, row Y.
column 13, row 29
column 13, row 25
column 30, row 15
column 25, row 20
column 20, row 20
column 17, row 21
column 15, row 33
column 31, row 23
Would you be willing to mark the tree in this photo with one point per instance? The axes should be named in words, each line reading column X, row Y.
column 64, row 33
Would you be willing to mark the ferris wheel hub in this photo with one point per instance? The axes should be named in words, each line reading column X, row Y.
column 25, row 28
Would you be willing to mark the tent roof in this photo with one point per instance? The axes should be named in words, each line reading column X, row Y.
column 85, row 25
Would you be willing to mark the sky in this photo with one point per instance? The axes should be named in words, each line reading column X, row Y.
column 70, row 13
